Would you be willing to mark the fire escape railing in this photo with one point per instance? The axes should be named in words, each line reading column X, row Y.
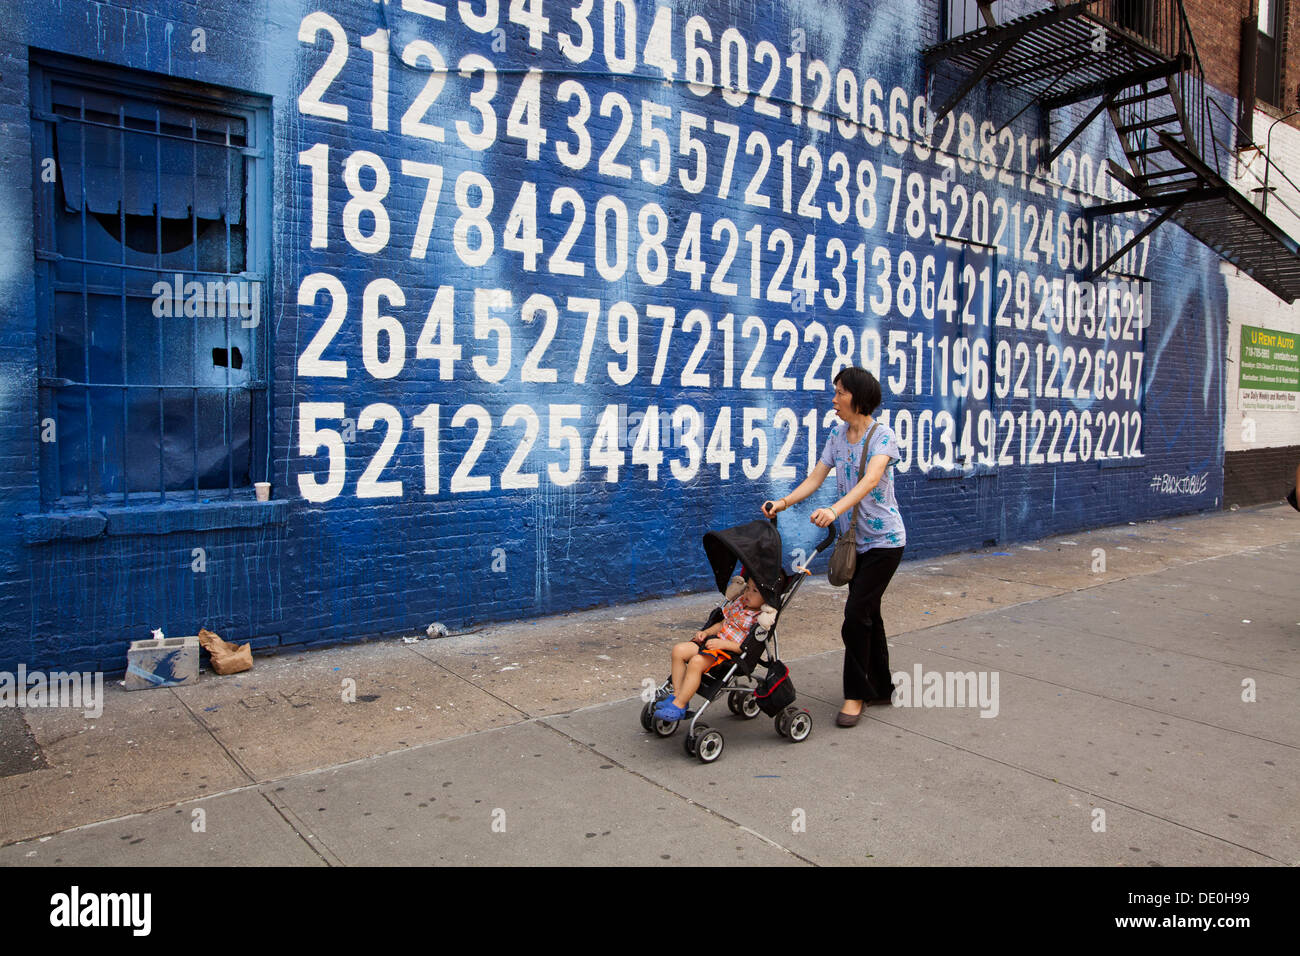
column 1138, row 61
column 1162, row 25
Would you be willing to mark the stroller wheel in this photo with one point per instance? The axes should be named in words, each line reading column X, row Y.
column 708, row 746
column 798, row 725
column 781, row 723
column 743, row 705
column 648, row 716
column 747, row 707
column 692, row 740
column 663, row 728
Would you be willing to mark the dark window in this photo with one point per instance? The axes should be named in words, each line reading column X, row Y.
column 1268, row 64
column 1136, row 16
column 151, row 281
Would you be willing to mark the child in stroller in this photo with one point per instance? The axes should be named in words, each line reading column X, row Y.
column 729, row 659
column 710, row 647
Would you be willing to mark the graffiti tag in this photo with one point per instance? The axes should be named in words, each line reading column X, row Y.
column 1175, row 485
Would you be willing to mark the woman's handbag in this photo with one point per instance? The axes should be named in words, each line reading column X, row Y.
column 844, row 559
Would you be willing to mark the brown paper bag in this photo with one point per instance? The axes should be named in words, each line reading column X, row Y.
column 226, row 657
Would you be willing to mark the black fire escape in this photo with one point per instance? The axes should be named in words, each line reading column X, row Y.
column 1139, row 59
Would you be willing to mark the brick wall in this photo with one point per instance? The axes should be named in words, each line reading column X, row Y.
column 1217, row 29
column 1251, row 429
column 17, row 334
column 1261, row 476
column 508, row 532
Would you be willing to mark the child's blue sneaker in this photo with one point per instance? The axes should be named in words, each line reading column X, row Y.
column 667, row 710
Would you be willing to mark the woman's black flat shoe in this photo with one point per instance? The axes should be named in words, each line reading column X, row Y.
column 847, row 720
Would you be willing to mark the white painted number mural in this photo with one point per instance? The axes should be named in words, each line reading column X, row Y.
column 647, row 258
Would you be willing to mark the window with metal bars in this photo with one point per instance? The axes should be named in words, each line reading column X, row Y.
column 152, row 221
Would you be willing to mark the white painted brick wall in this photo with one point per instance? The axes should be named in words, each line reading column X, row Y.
column 1250, row 303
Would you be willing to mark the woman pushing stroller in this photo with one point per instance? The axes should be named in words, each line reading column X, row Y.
column 865, row 449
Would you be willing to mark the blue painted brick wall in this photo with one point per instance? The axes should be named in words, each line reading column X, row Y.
column 350, row 566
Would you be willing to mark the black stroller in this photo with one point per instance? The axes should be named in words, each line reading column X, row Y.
column 755, row 546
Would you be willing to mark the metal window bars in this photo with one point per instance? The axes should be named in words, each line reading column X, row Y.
column 76, row 267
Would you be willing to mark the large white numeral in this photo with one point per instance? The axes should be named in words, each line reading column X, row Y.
column 532, row 370
column 311, row 362
column 575, row 158
column 606, row 447
column 437, row 339
column 484, row 22
column 511, row 477
column 372, row 324
column 309, row 100
column 413, row 119
column 528, row 13
column 427, row 422
column 611, row 269
column 428, row 209
column 699, row 68
column 525, row 119
column 481, row 101
column 485, row 324
column 579, row 51
column 463, row 478
column 688, row 424
column 369, row 485
column 754, row 435
column 645, row 448
column 659, row 45
column 624, row 62
column 317, row 160
column 311, row 438
column 558, row 434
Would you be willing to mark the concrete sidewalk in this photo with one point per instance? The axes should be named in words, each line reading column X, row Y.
column 1123, row 691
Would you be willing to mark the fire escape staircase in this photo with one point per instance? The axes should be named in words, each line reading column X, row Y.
column 1138, row 59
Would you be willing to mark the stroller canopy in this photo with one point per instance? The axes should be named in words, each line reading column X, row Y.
column 757, row 546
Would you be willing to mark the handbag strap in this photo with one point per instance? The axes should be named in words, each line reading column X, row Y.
column 862, row 470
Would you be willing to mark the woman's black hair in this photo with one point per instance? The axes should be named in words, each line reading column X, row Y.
column 862, row 387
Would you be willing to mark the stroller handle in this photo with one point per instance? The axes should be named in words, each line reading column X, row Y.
column 827, row 541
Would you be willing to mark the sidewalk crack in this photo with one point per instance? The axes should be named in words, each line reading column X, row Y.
column 477, row 687
column 215, row 739
column 296, row 824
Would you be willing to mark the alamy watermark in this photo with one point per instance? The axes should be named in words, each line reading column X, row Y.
column 947, row 689
column 214, row 299
column 127, row 910
column 79, row 691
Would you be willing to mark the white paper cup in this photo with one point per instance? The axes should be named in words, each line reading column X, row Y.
column 263, row 489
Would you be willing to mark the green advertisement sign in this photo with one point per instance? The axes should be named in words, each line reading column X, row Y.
column 1269, row 370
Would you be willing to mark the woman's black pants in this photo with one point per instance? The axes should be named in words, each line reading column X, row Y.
column 866, row 655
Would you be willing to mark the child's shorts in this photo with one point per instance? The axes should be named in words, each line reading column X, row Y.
column 719, row 656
